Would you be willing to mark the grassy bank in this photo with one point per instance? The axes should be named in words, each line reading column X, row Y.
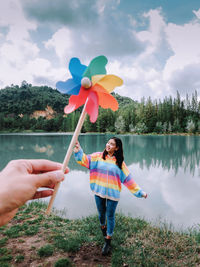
column 33, row 239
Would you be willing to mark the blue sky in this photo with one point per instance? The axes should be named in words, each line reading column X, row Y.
column 153, row 45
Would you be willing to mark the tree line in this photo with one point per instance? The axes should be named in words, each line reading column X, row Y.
column 170, row 115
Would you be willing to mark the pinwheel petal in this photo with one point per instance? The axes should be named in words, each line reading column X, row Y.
column 96, row 66
column 69, row 87
column 96, row 78
column 70, row 108
column 77, row 69
column 75, row 101
column 107, row 101
column 99, row 89
column 92, row 106
column 109, row 82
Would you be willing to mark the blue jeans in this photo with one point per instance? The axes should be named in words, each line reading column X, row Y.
column 106, row 209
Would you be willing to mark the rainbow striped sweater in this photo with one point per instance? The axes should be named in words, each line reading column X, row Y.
column 106, row 177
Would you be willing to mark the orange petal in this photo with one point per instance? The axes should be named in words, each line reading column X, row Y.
column 99, row 89
column 108, row 101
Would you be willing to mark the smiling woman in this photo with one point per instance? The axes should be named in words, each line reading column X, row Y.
column 107, row 172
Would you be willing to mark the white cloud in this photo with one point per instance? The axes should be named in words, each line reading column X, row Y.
column 180, row 72
column 185, row 42
column 19, row 55
column 61, row 41
column 197, row 13
column 154, row 34
column 143, row 75
column 154, row 61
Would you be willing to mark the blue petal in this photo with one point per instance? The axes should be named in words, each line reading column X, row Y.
column 70, row 87
column 76, row 69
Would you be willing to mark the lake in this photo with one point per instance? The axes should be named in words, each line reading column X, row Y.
column 166, row 167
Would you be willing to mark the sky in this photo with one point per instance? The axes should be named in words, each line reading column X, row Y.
column 153, row 45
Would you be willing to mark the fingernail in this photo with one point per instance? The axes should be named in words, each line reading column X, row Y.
column 59, row 175
column 66, row 170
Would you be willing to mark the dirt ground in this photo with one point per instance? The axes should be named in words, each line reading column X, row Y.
column 89, row 255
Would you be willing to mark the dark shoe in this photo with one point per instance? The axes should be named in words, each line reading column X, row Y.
column 106, row 247
column 104, row 231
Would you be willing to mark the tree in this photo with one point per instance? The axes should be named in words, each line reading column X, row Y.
column 190, row 127
column 164, row 128
column 140, row 127
column 120, row 125
column 176, row 126
column 169, row 127
column 159, row 127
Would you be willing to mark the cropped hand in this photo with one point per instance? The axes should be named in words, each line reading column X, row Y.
column 19, row 182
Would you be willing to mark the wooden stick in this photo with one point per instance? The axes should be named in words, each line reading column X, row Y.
column 68, row 155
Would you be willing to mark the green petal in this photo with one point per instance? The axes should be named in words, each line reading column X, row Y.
column 96, row 66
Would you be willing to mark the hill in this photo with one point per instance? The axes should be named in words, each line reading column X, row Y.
column 27, row 99
column 40, row 108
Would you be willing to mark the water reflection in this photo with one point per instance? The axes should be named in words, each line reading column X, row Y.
column 167, row 167
column 44, row 149
column 168, row 152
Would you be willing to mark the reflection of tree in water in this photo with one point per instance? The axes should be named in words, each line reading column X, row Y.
column 44, row 149
column 169, row 152
column 53, row 147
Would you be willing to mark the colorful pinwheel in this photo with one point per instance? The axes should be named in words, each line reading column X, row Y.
column 92, row 87
column 92, row 84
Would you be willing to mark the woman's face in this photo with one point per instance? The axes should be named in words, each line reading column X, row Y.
column 111, row 146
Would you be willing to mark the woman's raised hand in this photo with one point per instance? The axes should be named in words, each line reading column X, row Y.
column 144, row 195
column 77, row 147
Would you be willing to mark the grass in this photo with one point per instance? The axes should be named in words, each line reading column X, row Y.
column 56, row 241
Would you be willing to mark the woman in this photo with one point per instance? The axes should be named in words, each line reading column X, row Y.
column 107, row 171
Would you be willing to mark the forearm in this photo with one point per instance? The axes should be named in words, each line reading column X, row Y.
column 133, row 187
column 82, row 158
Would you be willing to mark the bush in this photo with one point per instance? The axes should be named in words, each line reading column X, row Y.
column 19, row 258
column 46, row 251
column 63, row 263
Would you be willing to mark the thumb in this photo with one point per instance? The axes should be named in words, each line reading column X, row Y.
column 48, row 178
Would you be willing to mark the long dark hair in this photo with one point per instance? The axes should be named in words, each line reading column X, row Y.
column 119, row 154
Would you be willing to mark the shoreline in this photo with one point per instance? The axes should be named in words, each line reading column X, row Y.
column 95, row 133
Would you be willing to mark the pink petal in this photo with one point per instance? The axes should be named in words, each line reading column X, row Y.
column 92, row 106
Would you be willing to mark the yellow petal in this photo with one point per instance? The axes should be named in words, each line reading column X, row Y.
column 109, row 82
column 96, row 78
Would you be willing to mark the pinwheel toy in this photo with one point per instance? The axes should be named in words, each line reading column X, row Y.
column 89, row 86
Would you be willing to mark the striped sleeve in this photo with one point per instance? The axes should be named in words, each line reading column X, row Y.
column 128, row 181
column 82, row 158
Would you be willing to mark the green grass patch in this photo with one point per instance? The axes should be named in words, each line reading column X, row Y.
column 46, row 251
column 5, row 258
column 19, row 258
column 71, row 243
column 135, row 241
column 32, row 230
column 3, row 241
column 65, row 262
column 14, row 231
